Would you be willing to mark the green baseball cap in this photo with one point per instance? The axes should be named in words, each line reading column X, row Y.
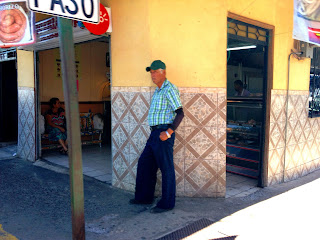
column 157, row 64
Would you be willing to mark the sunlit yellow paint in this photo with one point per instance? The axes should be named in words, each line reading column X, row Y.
column 92, row 72
column 130, row 43
column 25, row 68
column 6, row 236
column 299, row 74
column 191, row 37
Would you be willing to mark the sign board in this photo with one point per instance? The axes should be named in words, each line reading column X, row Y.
column 306, row 26
column 16, row 24
column 104, row 24
column 82, row 10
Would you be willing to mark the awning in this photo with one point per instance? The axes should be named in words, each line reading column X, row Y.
column 48, row 36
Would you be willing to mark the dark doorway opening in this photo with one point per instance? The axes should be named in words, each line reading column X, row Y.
column 247, row 57
column 8, row 102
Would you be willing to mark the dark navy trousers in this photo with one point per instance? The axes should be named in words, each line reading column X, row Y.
column 157, row 154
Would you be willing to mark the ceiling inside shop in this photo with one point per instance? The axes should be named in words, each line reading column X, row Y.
column 253, row 58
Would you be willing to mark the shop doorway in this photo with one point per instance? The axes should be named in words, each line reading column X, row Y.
column 93, row 80
column 8, row 102
column 247, row 56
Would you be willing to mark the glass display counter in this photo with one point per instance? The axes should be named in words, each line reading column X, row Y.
column 244, row 136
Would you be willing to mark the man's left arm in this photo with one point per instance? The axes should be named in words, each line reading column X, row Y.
column 177, row 120
column 175, row 102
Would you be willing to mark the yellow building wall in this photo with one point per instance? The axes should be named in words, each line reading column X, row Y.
column 299, row 77
column 25, row 68
column 131, row 51
column 191, row 38
column 92, row 69
column 280, row 15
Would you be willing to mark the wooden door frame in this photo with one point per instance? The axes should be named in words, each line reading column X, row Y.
column 270, row 28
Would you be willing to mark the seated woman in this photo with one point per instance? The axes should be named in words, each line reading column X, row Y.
column 56, row 123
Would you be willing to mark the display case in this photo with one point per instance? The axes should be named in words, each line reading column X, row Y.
column 244, row 126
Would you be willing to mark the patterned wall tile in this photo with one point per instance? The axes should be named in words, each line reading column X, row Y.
column 277, row 136
column 129, row 133
column 307, row 131
column 276, row 161
column 128, row 186
column 315, row 164
column 291, row 174
column 200, row 143
column 278, row 108
column 305, row 151
column 293, row 154
column 200, row 138
column 180, row 176
column 314, row 150
column 200, row 110
column 178, row 149
column 205, row 143
column 302, row 146
column 314, row 129
column 26, row 123
column 275, row 179
column 202, row 178
column 221, row 178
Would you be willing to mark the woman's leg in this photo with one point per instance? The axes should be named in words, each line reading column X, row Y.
column 62, row 143
column 56, row 135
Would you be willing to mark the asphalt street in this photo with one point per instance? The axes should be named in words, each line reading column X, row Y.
column 35, row 204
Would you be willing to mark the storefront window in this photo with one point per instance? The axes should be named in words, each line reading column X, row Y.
column 314, row 88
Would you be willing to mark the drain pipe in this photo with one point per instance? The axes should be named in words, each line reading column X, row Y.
column 297, row 54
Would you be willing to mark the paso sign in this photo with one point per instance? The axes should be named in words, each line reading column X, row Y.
column 82, row 10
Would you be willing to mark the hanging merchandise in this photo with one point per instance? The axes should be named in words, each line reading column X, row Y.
column 306, row 25
column 16, row 24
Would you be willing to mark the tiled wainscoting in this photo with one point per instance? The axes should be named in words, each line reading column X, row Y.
column 200, row 146
column 26, row 123
column 301, row 153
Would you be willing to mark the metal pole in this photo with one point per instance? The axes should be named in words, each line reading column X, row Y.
column 73, row 126
column 37, row 105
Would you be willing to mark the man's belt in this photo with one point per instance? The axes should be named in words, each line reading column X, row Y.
column 161, row 126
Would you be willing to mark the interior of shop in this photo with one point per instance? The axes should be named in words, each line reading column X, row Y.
column 92, row 60
column 246, row 81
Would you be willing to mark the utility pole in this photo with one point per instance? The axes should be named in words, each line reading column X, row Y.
column 73, row 126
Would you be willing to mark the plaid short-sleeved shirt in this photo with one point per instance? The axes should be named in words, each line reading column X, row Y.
column 163, row 104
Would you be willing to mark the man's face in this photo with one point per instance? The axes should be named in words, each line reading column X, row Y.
column 237, row 87
column 158, row 76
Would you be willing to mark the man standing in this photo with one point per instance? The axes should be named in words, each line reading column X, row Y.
column 165, row 115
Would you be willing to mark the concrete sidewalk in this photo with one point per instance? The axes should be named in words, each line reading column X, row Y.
column 293, row 214
column 286, row 211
